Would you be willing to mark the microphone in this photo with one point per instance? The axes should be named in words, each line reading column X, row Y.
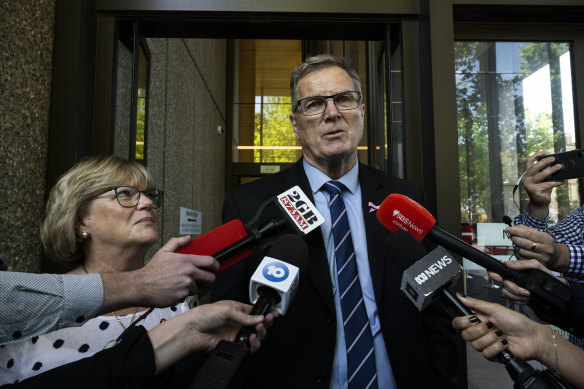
column 300, row 210
column 231, row 242
column 274, row 282
column 507, row 220
column 228, row 244
column 273, row 285
column 296, row 208
column 549, row 296
column 430, row 277
column 423, row 279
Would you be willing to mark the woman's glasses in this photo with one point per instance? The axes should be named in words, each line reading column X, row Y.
column 129, row 197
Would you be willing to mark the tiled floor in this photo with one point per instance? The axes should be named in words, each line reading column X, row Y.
column 482, row 373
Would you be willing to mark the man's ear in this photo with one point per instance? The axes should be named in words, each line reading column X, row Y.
column 293, row 121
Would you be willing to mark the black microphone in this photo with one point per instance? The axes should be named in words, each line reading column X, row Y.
column 430, row 277
column 233, row 242
column 272, row 286
column 507, row 220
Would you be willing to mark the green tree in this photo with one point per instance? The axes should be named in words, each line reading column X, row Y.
column 140, row 125
column 273, row 128
column 519, row 131
column 473, row 140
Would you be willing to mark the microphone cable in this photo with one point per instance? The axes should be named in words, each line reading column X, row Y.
column 515, row 190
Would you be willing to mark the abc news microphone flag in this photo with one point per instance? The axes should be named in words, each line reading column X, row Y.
column 422, row 280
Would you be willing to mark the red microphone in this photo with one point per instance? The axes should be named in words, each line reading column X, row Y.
column 399, row 212
column 548, row 294
column 215, row 242
column 230, row 243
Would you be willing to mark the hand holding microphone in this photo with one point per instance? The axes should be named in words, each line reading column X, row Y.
column 272, row 287
column 514, row 292
column 274, row 283
column 510, row 330
column 429, row 279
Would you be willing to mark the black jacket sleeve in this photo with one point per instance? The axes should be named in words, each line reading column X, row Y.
column 130, row 364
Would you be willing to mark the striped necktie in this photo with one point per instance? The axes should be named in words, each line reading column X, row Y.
column 362, row 372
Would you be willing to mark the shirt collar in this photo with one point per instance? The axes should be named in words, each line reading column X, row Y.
column 316, row 178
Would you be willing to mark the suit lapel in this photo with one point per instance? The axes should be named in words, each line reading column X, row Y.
column 373, row 190
column 318, row 269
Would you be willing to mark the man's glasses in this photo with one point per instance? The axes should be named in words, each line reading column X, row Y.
column 129, row 197
column 316, row 105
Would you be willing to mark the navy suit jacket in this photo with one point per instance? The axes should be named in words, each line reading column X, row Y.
column 299, row 349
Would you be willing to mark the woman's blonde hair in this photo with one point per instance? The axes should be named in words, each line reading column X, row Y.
column 70, row 197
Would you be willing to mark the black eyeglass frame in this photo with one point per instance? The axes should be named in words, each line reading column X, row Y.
column 299, row 102
column 155, row 203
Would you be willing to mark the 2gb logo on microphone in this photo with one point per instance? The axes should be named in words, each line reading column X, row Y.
column 276, row 272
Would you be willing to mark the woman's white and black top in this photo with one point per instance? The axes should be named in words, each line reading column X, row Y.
column 25, row 359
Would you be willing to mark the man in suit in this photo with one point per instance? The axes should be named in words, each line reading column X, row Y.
column 307, row 348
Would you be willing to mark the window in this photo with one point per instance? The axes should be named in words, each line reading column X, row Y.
column 514, row 99
column 132, row 76
column 262, row 129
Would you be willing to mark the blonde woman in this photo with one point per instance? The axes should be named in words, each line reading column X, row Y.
column 101, row 217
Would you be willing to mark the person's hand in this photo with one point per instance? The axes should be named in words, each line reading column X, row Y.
column 533, row 244
column 539, row 190
column 170, row 277
column 499, row 328
column 222, row 320
column 261, row 330
column 201, row 328
column 511, row 290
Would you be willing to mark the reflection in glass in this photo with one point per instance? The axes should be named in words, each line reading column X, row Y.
column 513, row 99
column 140, row 124
column 141, row 99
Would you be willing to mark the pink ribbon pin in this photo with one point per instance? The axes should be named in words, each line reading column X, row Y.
column 373, row 207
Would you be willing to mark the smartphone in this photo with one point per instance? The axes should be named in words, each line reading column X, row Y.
column 572, row 165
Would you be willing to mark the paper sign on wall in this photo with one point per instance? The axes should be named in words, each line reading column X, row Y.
column 191, row 222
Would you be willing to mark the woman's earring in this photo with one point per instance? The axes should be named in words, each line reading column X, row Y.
column 85, row 234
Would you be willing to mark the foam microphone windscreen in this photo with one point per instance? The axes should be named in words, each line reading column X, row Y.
column 292, row 249
column 408, row 248
column 216, row 240
column 399, row 212
column 507, row 220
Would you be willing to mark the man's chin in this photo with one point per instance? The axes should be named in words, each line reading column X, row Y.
column 342, row 153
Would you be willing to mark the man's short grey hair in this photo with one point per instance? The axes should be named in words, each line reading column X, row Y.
column 317, row 62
